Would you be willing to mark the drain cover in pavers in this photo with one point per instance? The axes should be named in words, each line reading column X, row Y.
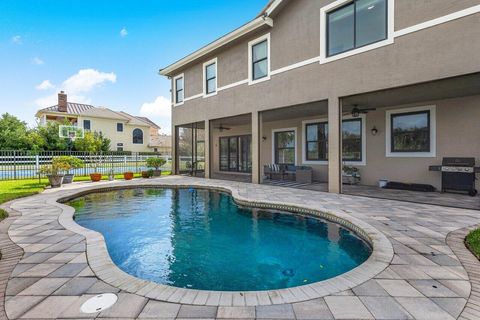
column 99, row 303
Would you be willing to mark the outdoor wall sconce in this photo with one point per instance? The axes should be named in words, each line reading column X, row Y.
column 374, row 131
column 264, row 139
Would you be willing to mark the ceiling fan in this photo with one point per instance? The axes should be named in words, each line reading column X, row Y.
column 357, row 110
column 222, row 128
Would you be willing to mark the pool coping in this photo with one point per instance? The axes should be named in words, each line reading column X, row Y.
column 105, row 269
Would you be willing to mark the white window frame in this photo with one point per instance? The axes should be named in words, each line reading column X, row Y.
column 250, row 59
column 123, row 127
column 205, row 65
column 174, row 95
column 273, row 142
column 363, row 118
column 433, row 133
column 324, row 58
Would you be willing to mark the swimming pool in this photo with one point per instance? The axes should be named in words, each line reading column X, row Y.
column 201, row 239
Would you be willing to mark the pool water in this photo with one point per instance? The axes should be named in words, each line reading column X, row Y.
column 201, row 239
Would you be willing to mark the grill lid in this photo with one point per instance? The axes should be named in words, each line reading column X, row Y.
column 458, row 162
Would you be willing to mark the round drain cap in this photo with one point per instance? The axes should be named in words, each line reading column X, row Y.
column 99, row 303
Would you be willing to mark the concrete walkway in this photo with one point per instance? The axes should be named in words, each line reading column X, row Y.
column 425, row 279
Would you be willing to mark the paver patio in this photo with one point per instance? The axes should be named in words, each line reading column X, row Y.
column 431, row 275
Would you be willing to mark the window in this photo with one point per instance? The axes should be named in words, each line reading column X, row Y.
column 179, row 89
column 410, row 132
column 316, row 139
column 137, row 136
column 86, row 125
column 119, row 146
column 259, row 59
column 284, row 147
column 119, row 127
column 352, row 140
column 210, row 77
column 235, row 154
column 355, row 25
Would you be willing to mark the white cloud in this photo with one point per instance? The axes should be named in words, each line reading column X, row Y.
column 160, row 111
column 76, row 86
column 37, row 61
column 17, row 39
column 45, row 85
column 123, row 32
column 86, row 80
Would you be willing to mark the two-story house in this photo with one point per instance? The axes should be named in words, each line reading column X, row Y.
column 390, row 87
column 126, row 132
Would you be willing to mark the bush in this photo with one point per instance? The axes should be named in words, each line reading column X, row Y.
column 3, row 214
column 54, row 169
column 68, row 162
column 156, row 163
column 473, row 242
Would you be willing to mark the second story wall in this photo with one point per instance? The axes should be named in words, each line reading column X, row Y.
column 444, row 50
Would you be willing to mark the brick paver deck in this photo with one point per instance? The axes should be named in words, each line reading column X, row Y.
column 425, row 279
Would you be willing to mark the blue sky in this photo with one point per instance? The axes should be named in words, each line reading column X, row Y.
column 104, row 52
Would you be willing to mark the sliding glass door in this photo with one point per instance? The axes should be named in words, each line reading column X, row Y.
column 235, row 154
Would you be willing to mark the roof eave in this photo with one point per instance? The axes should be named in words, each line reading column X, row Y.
column 247, row 28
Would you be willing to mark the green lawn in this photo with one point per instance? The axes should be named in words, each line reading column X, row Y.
column 473, row 242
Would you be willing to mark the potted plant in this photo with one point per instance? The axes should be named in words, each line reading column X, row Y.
column 156, row 163
column 111, row 175
column 147, row 174
column 350, row 175
column 96, row 176
column 128, row 175
column 53, row 173
column 70, row 163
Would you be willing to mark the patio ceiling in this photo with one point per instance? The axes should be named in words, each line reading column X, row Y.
column 298, row 111
column 455, row 87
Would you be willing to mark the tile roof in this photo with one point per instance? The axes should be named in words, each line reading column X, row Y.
column 72, row 108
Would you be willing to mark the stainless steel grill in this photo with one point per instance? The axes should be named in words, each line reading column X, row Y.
column 458, row 174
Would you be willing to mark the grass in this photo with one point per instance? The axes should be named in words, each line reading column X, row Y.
column 473, row 242
column 10, row 190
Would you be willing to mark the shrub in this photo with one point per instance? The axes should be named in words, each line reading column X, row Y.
column 156, row 163
column 473, row 242
column 68, row 162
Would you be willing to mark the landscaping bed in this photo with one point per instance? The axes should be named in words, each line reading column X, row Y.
column 473, row 242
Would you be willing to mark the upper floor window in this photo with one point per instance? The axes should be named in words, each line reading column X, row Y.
column 179, row 89
column 119, row 127
column 356, row 24
column 259, row 59
column 87, row 125
column 210, row 77
column 137, row 136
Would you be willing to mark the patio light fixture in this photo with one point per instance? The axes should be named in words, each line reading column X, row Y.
column 374, row 131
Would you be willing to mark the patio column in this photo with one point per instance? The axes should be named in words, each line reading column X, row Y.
column 207, row 149
column 174, row 150
column 256, row 136
column 334, row 145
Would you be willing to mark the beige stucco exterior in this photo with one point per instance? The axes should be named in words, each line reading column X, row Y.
column 443, row 47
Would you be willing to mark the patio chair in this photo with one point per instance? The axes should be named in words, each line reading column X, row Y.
column 273, row 171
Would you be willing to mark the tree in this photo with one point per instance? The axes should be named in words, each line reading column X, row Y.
column 92, row 142
column 50, row 137
column 13, row 133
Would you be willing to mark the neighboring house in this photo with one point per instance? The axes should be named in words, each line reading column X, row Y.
column 126, row 132
column 163, row 144
column 397, row 83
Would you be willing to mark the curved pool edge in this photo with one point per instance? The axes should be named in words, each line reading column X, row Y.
column 106, row 270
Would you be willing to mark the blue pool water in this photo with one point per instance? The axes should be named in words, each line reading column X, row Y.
column 201, row 239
